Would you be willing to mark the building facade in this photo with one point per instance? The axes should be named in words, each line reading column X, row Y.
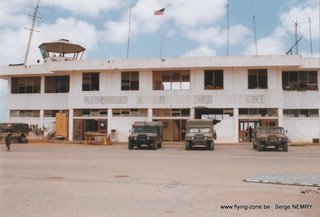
column 109, row 95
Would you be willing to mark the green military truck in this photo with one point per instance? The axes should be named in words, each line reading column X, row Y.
column 200, row 132
column 19, row 131
column 146, row 134
column 269, row 136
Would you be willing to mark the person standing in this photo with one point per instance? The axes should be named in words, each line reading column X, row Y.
column 8, row 139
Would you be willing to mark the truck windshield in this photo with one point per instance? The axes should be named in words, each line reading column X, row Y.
column 205, row 130
column 144, row 129
column 276, row 130
column 193, row 130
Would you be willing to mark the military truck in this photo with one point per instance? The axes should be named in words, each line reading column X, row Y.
column 269, row 136
column 146, row 134
column 200, row 132
column 19, row 131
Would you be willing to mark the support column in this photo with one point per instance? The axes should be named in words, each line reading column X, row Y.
column 236, row 125
column 109, row 120
column 70, row 133
column 280, row 117
column 192, row 113
column 41, row 120
column 149, row 114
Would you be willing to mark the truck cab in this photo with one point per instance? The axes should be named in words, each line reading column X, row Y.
column 146, row 134
column 200, row 132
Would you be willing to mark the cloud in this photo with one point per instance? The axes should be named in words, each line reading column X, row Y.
column 195, row 13
column 201, row 51
column 84, row 7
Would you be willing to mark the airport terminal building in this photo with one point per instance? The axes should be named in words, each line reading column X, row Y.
column 107, row 96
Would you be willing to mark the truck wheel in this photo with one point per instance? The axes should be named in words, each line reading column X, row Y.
column 259, row 146
column 254, row 146
column 188, row 145
column 130, row 145
column 154, row 146
column 22, row 138
column 212, row 146
column 285, row 147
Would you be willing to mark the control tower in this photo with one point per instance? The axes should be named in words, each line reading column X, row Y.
column 61, row 50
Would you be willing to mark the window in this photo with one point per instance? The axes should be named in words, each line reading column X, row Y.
column 52, row 113
column 257, row 78
column 300, row 113
column 57, row 84
column 129, row 80
column 25, row 85
column 299, row 80
column 90, row 81
column 171, row 112
column 171, row 80
column 90, row 112
column 24, row 113
column 217, row 114
column 129, row 112
column 259, row 112
column 213, row 79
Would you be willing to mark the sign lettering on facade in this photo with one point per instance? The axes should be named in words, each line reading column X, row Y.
column 105, row 100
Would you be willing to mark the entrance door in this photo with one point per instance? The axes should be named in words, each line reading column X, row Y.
column 81, row 126
column 246, row 127
column 174, row 130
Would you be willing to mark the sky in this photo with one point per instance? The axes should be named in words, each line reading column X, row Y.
column 187, row 28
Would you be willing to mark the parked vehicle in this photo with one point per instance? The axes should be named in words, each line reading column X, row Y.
column 270, row 136
column 200, row 132
column 146, row 134
column 19, row 131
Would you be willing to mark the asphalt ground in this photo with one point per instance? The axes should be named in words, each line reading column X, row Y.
column 77, row 180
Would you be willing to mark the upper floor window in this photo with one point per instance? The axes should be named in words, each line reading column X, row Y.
column 301, row 113
column 257, row 78
column 259, row 112
column 24, row 113
column 299, row 80
column 90, row 81
column 171, row 112
column 213, row 79
column 171, row 80
column 130, row 80
column 56, row 84
column 25, row 85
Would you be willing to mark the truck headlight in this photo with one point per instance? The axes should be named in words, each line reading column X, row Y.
column 135, row 138
column 148, row 138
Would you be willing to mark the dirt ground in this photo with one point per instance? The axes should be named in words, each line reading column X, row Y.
column 77, row 180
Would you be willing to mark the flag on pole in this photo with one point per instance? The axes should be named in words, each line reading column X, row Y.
column 159, row 12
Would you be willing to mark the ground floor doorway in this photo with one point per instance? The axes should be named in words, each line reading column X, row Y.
column 174, row 130
column 246, row 127
column 82, row 126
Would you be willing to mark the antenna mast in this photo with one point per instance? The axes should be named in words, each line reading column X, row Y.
column 255, row 34
column 311, row 48
column 228, row 26
column 31, row 31
column 129, row 32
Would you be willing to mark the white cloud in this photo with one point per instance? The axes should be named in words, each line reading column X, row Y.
column 201, row 51
column 85, row 7
column 195, row 13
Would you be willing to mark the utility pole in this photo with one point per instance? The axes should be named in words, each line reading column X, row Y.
column 129, row 32
column 31, row 31
column 255, row 34
column 228, row 28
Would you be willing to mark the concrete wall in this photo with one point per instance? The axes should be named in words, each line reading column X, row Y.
column 302, row 129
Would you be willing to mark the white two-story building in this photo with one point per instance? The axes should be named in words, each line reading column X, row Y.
column 109, row 95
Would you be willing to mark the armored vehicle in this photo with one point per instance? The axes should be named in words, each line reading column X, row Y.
column 269, row 136
column 200, row 132
column 146, row 134
column 19, row 131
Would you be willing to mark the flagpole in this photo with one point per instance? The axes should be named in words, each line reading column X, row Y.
column 129, row 32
